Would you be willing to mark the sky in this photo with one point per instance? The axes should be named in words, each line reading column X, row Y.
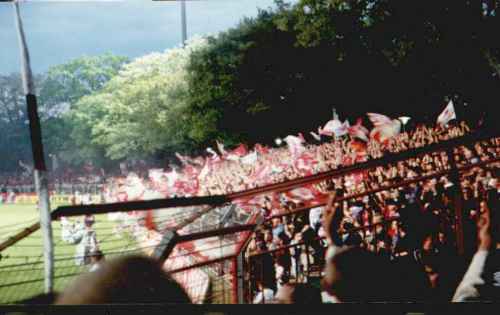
column 60, row 30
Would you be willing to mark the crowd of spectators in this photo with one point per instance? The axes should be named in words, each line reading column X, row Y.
column 397, row 244
column 281, row 164
column 414, row 225
column 220, row 174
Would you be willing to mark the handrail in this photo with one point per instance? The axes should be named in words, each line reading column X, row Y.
column 248, row 227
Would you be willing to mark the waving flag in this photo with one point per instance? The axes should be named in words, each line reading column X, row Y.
column 385, row 128
column 155, row 175
column 261, row 149
column 260, row 173
column 249, row 158
column 172, row 177
column 305, row 164
column 315, row 136
column 220, row 147
column 344, row 129
column 295, row 144
column 335, row 127
column 240, row 151
column 237, row 153
column 300, row 194
column 359, row 131
column 447, row 114
column 330, row 128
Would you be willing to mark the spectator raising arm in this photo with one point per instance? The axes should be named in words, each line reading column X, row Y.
column 468, row 287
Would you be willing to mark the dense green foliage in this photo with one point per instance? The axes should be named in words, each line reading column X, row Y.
column 283, row 71
column 276, row 74
column 58, row 91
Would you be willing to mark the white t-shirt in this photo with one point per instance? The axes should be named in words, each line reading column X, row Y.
column 315, row 216
column 265, row 298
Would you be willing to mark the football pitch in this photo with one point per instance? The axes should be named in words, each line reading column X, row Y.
column 21, row 265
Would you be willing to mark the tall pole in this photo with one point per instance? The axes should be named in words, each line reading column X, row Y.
column 183, row 21
column 40, row 171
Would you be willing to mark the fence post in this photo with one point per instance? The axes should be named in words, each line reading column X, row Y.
column 240, row 276
column 167, row 244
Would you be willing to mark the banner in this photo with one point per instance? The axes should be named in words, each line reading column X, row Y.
column 32, row 199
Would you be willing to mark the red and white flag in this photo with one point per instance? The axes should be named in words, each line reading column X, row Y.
column 300, row 194
column 447, row 115
column 359, row 131
column 295, row 144
column 240, row 151
column 385, row 128
column 237, row 153
column 305, row 164
column 261, row 149
column 335, row 127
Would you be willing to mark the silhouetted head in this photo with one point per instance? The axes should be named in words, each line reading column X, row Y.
column 356, row 275
column 133, row 279
column 298, row 293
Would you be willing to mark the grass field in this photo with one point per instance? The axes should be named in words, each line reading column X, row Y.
column 21, row 268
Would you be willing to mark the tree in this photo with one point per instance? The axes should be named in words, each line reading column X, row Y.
column 15, row 140
column 61, row 89
column 282, row 71
column 141, row 111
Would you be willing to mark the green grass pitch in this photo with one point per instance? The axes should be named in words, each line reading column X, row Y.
column 21, row 268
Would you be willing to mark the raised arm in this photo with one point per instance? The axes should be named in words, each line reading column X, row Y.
column 332, row 218
column 467, row 289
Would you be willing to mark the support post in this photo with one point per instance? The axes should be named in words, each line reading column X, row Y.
column 40, row 171
column 167, row 244
column 240, row 276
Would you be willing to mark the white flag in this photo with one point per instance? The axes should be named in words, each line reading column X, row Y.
column 249, row 158
column 447, row 115
column 330, row 128
column 295, row 144
column 156, row 175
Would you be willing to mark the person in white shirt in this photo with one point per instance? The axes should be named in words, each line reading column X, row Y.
column 67, row 230
column 264, row 296
column 87, row 244
column 315, row 217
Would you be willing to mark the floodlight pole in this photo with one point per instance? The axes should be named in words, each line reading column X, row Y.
column 40, row 171
column 183, row 21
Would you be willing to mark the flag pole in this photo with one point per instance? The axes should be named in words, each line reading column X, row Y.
column 40, row 171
